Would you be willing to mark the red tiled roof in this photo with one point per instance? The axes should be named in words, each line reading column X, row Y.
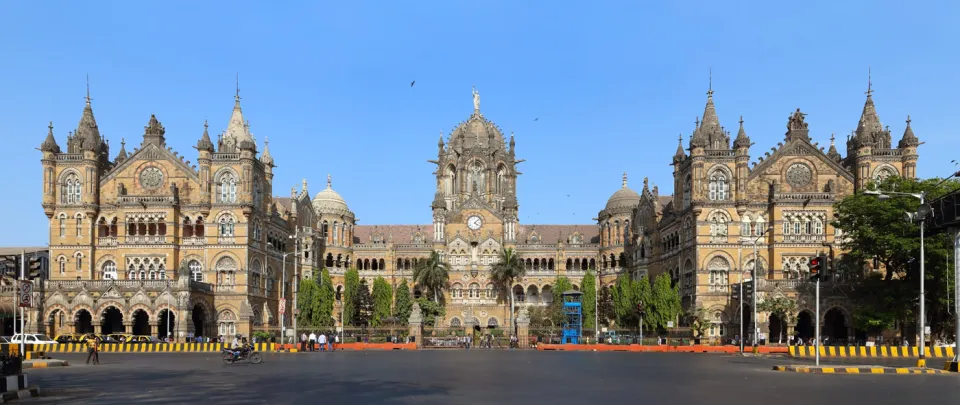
column 391, row 233
column 549, row 234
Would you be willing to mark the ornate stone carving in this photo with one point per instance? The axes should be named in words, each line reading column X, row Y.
column 799, row 175
column 151, row 178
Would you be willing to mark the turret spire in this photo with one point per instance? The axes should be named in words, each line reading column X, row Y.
column 742, row 140
column 329, row 182
column 238, row 130
column 266, row 158
column 87, row 137
column 153, row 133
column 205, row 143
column 88, row 90
column 908, row 139
column 50, row 143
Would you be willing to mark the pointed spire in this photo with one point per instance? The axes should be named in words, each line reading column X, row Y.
column 238, row 130
column 680, row 155
column 742, row 141
column 205, row 144
column 832, row 152
column 122, row 155
column 50, row 143
column 329, row 182
column 908, row 139
column 869, row 124
column 646, row 184
column 304, row 185
column 266, row 159
column 440, row 142
column 624, row 179
column 88, row 134
column 869, row 92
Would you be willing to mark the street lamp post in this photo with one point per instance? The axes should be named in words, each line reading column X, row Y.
column 922, row 212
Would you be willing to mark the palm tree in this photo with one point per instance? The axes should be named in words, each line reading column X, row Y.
column 432, row 274
column 509, row 267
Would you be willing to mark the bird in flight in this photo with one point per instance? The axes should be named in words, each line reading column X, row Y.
column 535, row 119
column 412, row 83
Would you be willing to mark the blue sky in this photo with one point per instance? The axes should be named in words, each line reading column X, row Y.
column 612, row 83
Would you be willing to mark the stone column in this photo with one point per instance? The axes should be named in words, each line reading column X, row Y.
column 523, row 327
column 154, row 327
column 96, row 325
column 415, row 323
column 127, row 326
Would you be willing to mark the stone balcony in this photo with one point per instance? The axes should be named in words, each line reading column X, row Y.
column 123, row 285
column 145, row 239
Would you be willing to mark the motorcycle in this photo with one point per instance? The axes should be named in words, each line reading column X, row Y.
column 246, row 353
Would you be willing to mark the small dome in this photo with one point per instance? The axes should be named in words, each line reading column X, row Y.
column 625, row 197
column 329, row 201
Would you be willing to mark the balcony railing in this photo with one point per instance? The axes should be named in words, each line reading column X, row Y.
column 140, row 239
column 70, row 157
column 194, row 240
column 99, row 285
column 885, row 152
column 226, row 240
column 107, row 241
column 226, row 156
column 145, row 199
column 804, row 238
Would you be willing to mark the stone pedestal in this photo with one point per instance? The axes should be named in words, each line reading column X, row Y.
column 523, row 328
column 415, row 323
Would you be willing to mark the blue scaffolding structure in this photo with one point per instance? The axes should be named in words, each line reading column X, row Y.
column 572, row 317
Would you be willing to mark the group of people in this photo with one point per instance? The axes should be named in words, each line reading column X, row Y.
column 311, row 342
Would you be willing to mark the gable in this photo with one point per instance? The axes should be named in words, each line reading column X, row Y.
column 153, row 153
column 798, row 148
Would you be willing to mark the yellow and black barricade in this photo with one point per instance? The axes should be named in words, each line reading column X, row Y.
column 871, row 351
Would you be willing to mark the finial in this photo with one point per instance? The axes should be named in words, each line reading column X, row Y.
column 710, row 86
column 832, row 138
column 624, row 179
column 51, row 125
column 206, row 125
column 741, row 120
column 329, row 181
column 680, row 139
column 869, row 82
column 123, row 141
column 304, row 184
column 237, row 97
column 266, row 142
column 908, row 120
column 88, row 90
column 646, row 182
column 696, row 122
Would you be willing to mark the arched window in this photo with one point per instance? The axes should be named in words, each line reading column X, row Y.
column 718, row 225
column 687, row 190
column 62, row 263
column 760, row 226
column 63, row 225
column 226, row 225
column 719, row 269
column 109, row 270
column 256, row 230
column 79, row 262
column 817, row 227
column 71, row 189
column 79, row 220
column 196, row 271
column 745, row 224
column 257, row 194
column 718, row 186
column 228, row 188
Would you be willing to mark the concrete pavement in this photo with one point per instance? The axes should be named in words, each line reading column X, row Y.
column 475, row 377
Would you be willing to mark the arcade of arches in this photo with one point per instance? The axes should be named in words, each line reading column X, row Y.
column 140, row 322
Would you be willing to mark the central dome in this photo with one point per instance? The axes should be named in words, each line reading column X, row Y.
column 625, row 197
column 329, row 201
column 476, row 133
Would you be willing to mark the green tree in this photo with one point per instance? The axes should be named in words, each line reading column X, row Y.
column 555, row 309
column 432, row 274
column 324, row 314
column 783, row 308
column 382, row 301
column 589, row 289
column 699, row 320
column 351, row 282
column 432, row 311
column 307, row 299
column 508, row 269
column 627, row 294
column 403, row 303
column 607, row 312
column 363, row 305
column 881, row 260
column 664, row 303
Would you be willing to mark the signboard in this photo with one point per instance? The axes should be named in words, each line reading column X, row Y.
column 25, row 294
column 283, row 306
column 669, row 324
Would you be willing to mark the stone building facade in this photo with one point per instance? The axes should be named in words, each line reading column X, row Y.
column 143, row 235
column 730, row 216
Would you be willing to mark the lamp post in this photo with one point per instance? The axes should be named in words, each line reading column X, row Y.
column 756, row 263
column 916, row 217
column 283, row 291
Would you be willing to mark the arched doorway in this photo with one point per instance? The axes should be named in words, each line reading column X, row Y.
column 167, row 323
column 778, row 328
column 7, row 314
column 55, row 322
column 82, row 321
column 111, row 321
column 804, row 328
column 835, row 325
column 141, row 323
column 199, row 317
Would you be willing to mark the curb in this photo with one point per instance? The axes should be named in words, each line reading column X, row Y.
column 44, row 363
column 858, row 370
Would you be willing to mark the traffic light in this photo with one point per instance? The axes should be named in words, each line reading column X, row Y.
column 735, row 296
column 640, row 308
column 748, row 290
column 817, row 266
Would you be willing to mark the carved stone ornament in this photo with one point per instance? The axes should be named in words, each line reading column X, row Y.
column 799, row 175
column 151, row 178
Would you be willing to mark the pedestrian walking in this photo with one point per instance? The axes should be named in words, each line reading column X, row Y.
column 93, row 350
column 303, row 342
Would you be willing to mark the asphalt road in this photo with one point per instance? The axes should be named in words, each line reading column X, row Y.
column 470, row 377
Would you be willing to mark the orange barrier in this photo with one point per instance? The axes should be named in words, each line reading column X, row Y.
column 357, row 346
column 661, row 348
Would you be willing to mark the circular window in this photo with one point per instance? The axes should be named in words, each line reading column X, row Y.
column 151, row 178
column 799, row 175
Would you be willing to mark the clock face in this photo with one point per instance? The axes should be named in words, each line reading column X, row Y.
column 474, row 222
